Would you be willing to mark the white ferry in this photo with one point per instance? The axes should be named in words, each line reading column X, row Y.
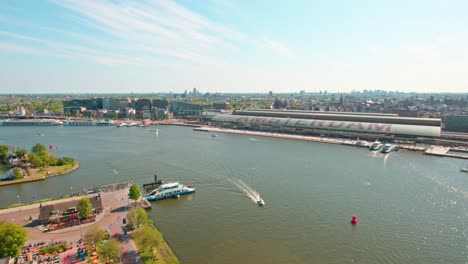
column 376, row 145
column 388, row 148
column 168, row 190
column 88, row 123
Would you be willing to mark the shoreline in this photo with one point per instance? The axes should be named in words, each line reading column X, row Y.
column 39, row 178
column 430, row 150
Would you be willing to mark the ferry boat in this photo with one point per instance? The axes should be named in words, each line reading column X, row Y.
column 30, row 122
column 388, row 148
column 168, row 190
column 376, row 145
column 88, row 123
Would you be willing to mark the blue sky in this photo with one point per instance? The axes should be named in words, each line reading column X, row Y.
column 82, row 46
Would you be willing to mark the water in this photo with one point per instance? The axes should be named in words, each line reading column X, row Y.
column 411, row 208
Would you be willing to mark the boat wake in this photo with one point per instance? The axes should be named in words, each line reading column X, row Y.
column 247, row 190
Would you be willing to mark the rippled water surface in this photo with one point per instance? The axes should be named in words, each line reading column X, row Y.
column 411, row 208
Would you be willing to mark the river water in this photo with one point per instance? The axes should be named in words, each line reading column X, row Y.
column 411, row 208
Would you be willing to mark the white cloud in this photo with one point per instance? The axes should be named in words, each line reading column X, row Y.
column 160, row 27
column 424, row 52
column 279, row 48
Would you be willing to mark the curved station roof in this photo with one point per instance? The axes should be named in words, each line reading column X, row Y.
column 330, row 122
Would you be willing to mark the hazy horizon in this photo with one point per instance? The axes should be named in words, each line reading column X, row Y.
column 227, row 46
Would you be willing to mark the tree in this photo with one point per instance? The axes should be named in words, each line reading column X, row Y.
column 110, row 251
column 12, row 237
column 21, row 152
column 134, row 193
column 137, row 217
column 84, row 207
column 94, row 235
column 17, row 173
column 35, row 160
column 3, row 151
column 38, row 148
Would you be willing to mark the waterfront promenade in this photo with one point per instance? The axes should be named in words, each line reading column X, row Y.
column 115, row 208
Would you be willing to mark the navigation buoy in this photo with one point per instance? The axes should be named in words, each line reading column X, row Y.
column 354, row 220
column 50, row 147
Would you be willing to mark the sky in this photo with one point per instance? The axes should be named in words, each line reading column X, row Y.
column 233, row 46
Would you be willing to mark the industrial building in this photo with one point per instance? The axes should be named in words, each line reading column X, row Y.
column 309, row 122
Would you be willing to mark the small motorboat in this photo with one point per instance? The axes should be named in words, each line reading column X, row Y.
column 260, row 202
column 464, row 170
column 214, row 135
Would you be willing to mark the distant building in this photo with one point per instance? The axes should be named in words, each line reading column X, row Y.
column 118, row 103
column 105, row 103
column 159, row 114
column 74, row 110
column 456, row 123
column 223, row 105
column 160, row 103
column 183, row 108
column 143, row 104
column 61, row 213
column 90, row 104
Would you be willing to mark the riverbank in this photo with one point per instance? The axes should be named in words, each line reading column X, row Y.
column 43, row 174
column 429, row 150
column 340, row 141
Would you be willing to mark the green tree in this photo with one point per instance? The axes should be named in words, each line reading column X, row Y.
column 84, row 207
column 94, row 235
column 35, row 160
column 134, row 192
column 68, row 160
column 110, row 251
column 12, row 237
column 137, row 217
column 3, row 151
column 38, row 148
column 17, row 173
column 21, row 152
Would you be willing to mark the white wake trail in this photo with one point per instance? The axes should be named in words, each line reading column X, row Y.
column 246, row 189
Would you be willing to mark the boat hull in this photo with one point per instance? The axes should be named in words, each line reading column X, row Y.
column 169, row 194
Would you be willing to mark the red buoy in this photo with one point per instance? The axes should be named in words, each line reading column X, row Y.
column 354, row 220
column 50, row 147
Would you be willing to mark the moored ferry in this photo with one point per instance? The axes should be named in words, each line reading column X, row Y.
column 88, row 123
column 388, row 148
column 30, row 122
column 169, row 190
column 376, row 145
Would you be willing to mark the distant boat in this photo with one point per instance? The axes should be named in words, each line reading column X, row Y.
column 214, row 135
column 260, row 202
column 464, row 170
column 376, row 145
column 388, row 148
column 122, row 125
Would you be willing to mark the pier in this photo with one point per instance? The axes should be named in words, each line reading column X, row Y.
column 444, row 152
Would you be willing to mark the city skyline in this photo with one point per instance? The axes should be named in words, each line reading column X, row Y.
column 232, row 46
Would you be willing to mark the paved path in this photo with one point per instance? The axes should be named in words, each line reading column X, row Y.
column 115, row 205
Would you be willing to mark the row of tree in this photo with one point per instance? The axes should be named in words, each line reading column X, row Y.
column 39, row 157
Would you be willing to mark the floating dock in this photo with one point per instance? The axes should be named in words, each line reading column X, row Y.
column 444, row 152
